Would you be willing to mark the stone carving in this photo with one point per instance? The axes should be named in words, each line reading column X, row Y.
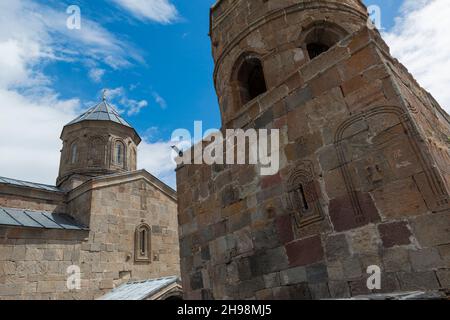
column 380, row 142
column 302, row 195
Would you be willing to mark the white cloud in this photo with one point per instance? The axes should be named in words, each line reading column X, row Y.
column 160, row 100
column 96, row 74
column 157, row 159
column 421, row 41
column 162, row 11
column 32, row 115
column 29, row 135
column 119, row 99
column 134, row 107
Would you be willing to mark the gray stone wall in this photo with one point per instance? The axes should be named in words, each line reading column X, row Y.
column 33, row 263
column 356, row 125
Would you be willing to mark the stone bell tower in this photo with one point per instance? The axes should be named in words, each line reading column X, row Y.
column 364, row 175
column 99, row 142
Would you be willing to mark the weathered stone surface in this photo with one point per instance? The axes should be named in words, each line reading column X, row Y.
column 353, row 126
column 319, row 291
column 364, row 240
column 336, row 247
column 431, row 230
column 37, row 260
column 396, row 259
column 272, row 280
column 394, row 234
column 343, row 216
column 418, row 280
column 317, row 273
column 300, row 292
column 412, row 203
column 425, row 259
column 304, row 252
column 444, row 278
column 268, row 261
column 339, row 289
column 293, row 276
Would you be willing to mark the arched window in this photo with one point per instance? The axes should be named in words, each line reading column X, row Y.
column 250, row 81
column 119, row 153
column 142, row 243
column 320, row 37
column 74, row 153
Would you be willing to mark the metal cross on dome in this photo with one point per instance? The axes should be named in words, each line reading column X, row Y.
column 105, row 91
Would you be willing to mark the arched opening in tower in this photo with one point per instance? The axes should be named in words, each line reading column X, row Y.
column 251, row 81
column 321, row 36
column 315, row 49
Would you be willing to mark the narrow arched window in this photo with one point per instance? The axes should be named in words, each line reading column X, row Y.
column 74, row 153
column 119, row 152
column 320, row 37
column 250, row 79
column 142, row 243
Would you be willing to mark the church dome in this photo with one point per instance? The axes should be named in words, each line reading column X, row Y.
column 101, row 112
column 99, row 142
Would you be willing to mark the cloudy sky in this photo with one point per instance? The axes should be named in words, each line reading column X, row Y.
column 154, row 57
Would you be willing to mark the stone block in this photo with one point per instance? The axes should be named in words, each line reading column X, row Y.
column 425, row 259
column 359, row 287
column 299, row 292
column 319, row 291
column 418, row 281
column 411, row 204
column 298, row 98
column 317, row 273
column 196, row 281
column 336, row 247
column 364, row 240
column 343, row 213
column 268, row 261
column 339, row 289
column 325, row 82
column 272, row 280
column 395, row 234
column 244, row 269
column 396, row 259
column 352, row 268
column 281, row 293
column 389, row 283
column 248, row 288
column 265, row 294
column 432, row 229
column 444, row 251
column 444, row 278
column 335, row 270
column 305, row 251
column 293, row 276
column 284, row 228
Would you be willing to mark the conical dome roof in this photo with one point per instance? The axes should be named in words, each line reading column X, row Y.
column 101, row 112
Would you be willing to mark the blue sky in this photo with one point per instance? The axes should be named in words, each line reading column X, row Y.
column 155, row 57
column 177, row 66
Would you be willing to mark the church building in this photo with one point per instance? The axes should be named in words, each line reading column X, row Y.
column 105, row 225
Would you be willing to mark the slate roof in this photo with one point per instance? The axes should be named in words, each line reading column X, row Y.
column 101, row 112
column 139, row 290
column 38, row 219
column 21, row 183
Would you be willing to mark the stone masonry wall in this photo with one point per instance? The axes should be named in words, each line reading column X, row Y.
column 349, row 134
column 33, row 263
